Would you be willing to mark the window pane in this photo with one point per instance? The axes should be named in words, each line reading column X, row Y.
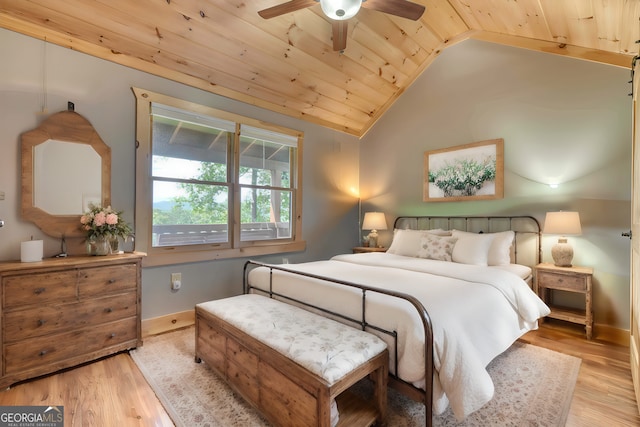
column 187, row 150
column 265, row 214
column 265, row 163
column 171, row 167
column 219, row 182
column 187, row 214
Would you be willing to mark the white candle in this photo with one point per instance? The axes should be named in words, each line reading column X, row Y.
column 31, row 251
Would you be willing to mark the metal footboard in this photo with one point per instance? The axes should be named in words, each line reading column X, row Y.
column 424, row 396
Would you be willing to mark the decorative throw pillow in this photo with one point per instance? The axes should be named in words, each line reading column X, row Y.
column 436, row 247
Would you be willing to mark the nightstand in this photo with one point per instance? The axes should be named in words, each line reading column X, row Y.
column 549, row 278
column 363, row 249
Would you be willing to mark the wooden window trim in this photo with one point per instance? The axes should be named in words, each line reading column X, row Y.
column 158, row 256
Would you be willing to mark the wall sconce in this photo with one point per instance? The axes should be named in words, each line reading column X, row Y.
column 374, row 221
column 563, row 223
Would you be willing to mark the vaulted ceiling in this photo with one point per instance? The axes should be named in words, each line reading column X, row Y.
column 287, row 64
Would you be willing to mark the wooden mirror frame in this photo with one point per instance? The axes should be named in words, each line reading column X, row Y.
column 66, row 126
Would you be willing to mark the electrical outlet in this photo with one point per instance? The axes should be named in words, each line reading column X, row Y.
column 176, row 281
column 285, row 260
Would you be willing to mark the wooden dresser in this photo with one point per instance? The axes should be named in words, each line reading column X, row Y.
column 62, row 312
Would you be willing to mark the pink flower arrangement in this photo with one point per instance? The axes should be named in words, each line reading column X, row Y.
column 104, row 222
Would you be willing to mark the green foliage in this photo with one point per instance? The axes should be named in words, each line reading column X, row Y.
column 207, row 202
column 464, row 176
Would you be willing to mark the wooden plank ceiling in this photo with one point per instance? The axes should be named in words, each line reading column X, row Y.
column 287, row 64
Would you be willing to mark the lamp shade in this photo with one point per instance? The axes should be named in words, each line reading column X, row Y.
column 563, row 223
column 340, row 9
column 374, row 221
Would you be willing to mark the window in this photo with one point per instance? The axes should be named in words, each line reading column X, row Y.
column 211, row 184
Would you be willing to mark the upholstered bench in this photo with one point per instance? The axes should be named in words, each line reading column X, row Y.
column 291, row 364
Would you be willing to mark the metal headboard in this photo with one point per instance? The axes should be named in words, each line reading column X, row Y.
column 527, row 243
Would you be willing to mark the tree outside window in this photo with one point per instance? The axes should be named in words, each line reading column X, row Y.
column 217, row 181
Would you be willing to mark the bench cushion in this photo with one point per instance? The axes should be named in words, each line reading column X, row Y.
column 323, row 346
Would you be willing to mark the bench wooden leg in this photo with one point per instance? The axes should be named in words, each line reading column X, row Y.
column 379, row 377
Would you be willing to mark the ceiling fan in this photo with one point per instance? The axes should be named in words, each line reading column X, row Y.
column 341, row 10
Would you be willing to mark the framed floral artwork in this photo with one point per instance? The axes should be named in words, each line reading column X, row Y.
column 467, row 172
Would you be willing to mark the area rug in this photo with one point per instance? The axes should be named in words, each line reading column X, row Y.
column 533, row 387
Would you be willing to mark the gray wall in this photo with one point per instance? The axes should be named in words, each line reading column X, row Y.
column 102, row 93
column 558, row 116
column 561, row 119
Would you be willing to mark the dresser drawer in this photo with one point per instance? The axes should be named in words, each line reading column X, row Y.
column 63, row 312
column 105, row 280
column 562, row 281
column 39, row 288
column 38, row 321
column 45, row 352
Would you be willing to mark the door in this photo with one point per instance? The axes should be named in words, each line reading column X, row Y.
column 635, row 238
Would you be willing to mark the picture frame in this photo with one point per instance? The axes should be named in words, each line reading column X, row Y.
column 467, row 172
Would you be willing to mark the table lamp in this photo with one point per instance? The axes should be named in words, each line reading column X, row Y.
column 564, row 224
column 374, row 221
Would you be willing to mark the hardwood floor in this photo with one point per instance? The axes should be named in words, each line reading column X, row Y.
column 109, row 392
column 604, row 393
column 113, row 392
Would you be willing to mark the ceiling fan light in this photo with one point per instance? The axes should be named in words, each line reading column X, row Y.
column 340, row 9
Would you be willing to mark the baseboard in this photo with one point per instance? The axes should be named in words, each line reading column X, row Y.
column 167, row 323
column 611, row 334
column 182, row 319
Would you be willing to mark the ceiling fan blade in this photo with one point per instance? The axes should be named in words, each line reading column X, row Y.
column 401, row 8
column 339, row 35
column 283, row 8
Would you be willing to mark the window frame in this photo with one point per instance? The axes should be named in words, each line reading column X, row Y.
column 235, row 248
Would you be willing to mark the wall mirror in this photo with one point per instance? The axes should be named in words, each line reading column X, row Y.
column 65, row 167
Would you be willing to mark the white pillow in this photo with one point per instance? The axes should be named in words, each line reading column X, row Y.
column 471, row 248
column 407, row 242
column 436, row 247
column 499, row 251
column 438, row 232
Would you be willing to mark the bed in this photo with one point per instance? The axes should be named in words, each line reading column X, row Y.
column 449, row 295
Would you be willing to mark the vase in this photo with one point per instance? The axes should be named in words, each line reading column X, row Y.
column 129, row 243
column 98, row 245
column 114, row 245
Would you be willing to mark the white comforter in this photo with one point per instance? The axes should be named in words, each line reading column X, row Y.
column 476, row 314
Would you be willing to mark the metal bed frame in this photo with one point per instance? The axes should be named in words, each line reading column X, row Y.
column 521, row 225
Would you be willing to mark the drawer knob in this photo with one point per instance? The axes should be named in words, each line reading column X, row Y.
column 112, row 281
column 41, row 322
column 113, row 335
column 108, row 310
column 43, row 352
column 38, row 291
